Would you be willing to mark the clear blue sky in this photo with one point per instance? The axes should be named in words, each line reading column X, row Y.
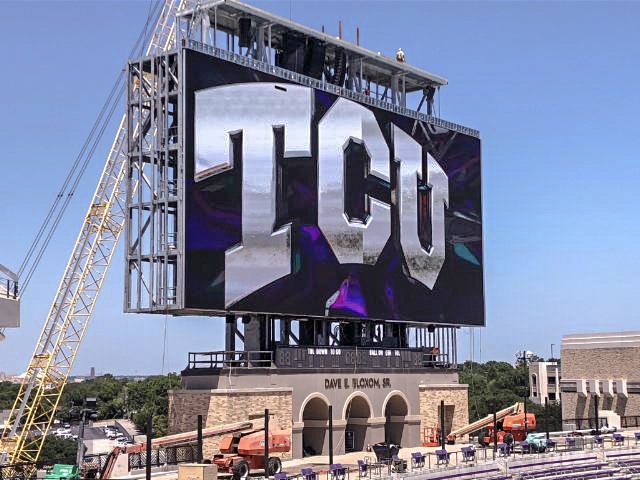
column 552, row 87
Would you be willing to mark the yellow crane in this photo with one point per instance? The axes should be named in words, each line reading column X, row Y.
column 55, row 352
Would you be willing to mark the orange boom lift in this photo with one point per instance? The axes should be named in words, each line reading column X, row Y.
column 244, row 451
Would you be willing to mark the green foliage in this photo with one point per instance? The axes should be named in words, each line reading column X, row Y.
column 149, row 397
column 497, row 385
column 554, row 418
column 8, row 394
column 116, row 398
column 58, row 450
column 107, row 390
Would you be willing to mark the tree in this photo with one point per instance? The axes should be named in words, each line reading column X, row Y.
column 497, row 385
column 116, row 398
column 58, row 450
column 150, row 398
column 8, row 394
column 107, row 390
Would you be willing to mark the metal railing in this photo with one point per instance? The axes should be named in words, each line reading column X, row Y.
column 586, row 423
column 327, row 87
column 8, row 288
column 321, row 357
column 230, row 359
column 92, row 464
column 163, row 456
column 630, row 421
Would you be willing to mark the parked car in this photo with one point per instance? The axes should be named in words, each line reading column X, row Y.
column 112, row 435
column 123, row 441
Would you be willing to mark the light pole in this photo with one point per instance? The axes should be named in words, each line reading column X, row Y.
column 526, row 394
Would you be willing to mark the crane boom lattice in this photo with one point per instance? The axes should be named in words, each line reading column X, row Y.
column 55, row 352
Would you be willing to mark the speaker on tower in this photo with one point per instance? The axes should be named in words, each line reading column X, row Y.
column 244, row 38
column 314, row 58
column 292, row 53
column 339, row 67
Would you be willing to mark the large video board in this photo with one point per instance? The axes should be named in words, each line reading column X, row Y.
column 300, row 202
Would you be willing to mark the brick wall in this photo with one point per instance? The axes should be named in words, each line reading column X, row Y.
column 601, row 363
column 220, row 407
column 456, row 403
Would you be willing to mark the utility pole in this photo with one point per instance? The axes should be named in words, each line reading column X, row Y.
column 330, row 435
column 199, row 444
column 595, row 404
column 443, row 442
column 88, row 405
column 546, row 416
column 495, row 432
column 526, row 394
column 80, row 451
column 149, row 437
column 266, row 443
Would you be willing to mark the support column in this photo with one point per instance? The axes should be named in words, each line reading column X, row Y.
column 285, row 331
column 204, row 27
column 230, row 333
column 252, row 333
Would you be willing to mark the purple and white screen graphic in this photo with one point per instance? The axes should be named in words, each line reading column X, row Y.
column 299, row 202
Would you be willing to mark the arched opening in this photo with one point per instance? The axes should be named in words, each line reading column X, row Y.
column 395, row 412
column 357, row 413
column 315, row 416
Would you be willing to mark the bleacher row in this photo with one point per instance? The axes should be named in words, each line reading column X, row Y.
column 613, row 465
column 617, row 465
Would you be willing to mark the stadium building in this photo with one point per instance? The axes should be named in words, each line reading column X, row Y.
column 601, row 369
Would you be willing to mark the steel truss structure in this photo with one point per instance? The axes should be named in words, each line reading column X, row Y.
column 152, row 184
column 66, row 323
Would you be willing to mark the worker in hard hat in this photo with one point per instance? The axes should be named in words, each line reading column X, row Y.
column 400, row 55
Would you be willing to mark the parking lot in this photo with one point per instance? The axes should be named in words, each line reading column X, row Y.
column 95, row 438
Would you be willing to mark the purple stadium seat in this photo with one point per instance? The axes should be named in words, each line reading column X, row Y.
column 309, row 474
column 417, row 460
column 442, row 457
column 468, row 454
column 338, row 472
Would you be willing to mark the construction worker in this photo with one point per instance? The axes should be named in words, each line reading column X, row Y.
column 400, row 56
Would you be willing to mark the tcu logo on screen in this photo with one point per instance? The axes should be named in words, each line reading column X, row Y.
column 354, row 190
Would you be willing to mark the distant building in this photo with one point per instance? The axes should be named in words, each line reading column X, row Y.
column 602, row 368
column 4, row 418
column 544, row 382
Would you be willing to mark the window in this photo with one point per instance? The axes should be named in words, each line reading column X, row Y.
column 552, row 396
column 551, row 380
column 534, row 379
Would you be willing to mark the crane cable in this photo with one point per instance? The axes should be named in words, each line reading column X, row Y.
column 57, row 209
